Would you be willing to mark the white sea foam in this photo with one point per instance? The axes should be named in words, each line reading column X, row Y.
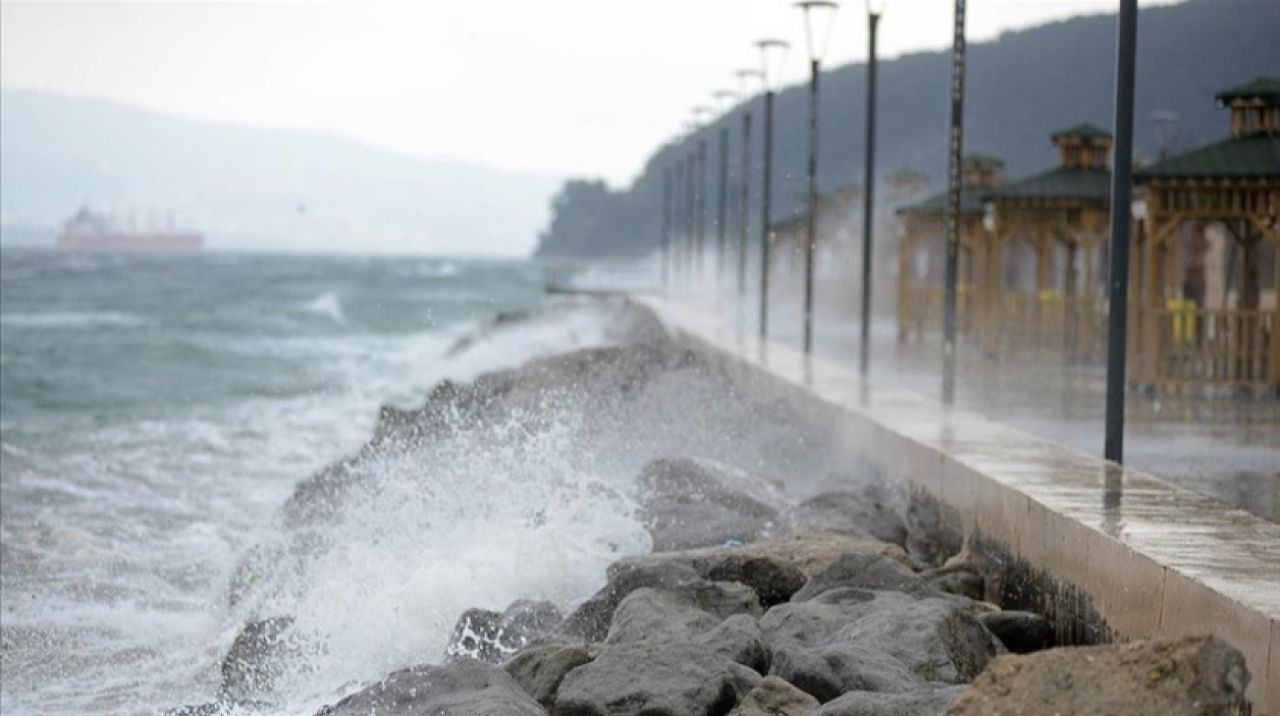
column 328, row 305
column 73, row 319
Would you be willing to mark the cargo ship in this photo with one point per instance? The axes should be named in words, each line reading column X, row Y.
column 90, row 231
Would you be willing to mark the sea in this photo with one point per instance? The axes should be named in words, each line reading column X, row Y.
column 156, row 411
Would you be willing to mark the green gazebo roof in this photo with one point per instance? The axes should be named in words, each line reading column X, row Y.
column 1267, row 88
column 1255, row 156
column 1086, row 131
column 1089, row 185
column 971, row 199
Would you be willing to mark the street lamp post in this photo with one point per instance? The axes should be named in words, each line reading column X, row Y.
column 665, row 235
column 817, row 16
column 874, row 10
column 772, row 54
column 744, row 187
column 726, row 98
column 954, row 145
column 1118, row 293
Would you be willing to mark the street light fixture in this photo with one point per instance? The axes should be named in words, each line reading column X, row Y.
column 817, row 32
column 874, row 9
column 773, row 53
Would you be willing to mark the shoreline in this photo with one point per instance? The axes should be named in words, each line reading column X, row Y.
column 791, row 598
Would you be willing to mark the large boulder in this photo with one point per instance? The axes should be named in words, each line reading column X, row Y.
column 859, row 640
column 859, row 570
column 592, row 619
column 677, row 613
column 927, row 702
column 655, row 679
column 809, row 554
column 719, row 615
column 540, row 669
column 846, row 513
column 689, row 503
column 1194, row 676
column 464, row 688
column 775, row 697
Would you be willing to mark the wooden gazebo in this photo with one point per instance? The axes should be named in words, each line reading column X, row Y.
column 1048, row 233
column 1204, row 311
column 922, row 254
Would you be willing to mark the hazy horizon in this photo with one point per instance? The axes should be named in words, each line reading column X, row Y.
column 380, row 73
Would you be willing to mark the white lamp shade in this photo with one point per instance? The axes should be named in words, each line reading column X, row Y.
column 819, row 18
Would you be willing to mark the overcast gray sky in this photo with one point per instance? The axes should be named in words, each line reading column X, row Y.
column 581, row 87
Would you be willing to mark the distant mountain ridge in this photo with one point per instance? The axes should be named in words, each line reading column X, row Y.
column 251, row 188
column 1019, row 88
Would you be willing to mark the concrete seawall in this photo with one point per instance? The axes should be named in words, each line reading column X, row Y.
column 1108, row 553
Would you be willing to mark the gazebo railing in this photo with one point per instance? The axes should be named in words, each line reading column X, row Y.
column 1223, row 347
column 920, row 310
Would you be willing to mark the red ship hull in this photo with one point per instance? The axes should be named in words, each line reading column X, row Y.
column 158, row 242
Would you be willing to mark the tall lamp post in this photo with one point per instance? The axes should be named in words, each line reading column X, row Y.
column 874, row 9
column 700, row 114
column 744, row 176
column 817, row 17
column 1118, row 293
column 726, row 98
column 772, row 54
column 955, row 143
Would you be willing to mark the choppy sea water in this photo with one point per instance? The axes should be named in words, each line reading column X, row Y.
column 156, row 411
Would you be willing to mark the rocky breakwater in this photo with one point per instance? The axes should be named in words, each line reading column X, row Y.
column 765, row 590
column 747, row 613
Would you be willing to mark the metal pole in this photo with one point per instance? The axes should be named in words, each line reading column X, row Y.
column 677, row 204
column 955, row 142
column 702, row 206
column 689, row 211
column 811, row 230
column 766, row 194
column 722, row 202
column 744, row 204
column 868, row 196
column 1121, row 190
column 666, row 228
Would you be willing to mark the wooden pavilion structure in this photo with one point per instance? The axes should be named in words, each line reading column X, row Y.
column 1203, row 308
column 1047, row 236
column 922, row 254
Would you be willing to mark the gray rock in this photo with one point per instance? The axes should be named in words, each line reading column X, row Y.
column 1193, row 676
column 678, row 613
column 490, row 636
column 774, row 581
column 1020, row 632
column 256, row 658
column 775, row 697
column 592, row 619
column 739, row 637
column 862, row 571
column 810, row 554
column 858, row 640
column 846, row 513
column 540, row 669
column 464, row 688
column 654, row 679
column 961, row 579
column 927, row 702
column 688, row 503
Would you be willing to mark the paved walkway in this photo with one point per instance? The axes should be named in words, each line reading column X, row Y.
column 1226, row 448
